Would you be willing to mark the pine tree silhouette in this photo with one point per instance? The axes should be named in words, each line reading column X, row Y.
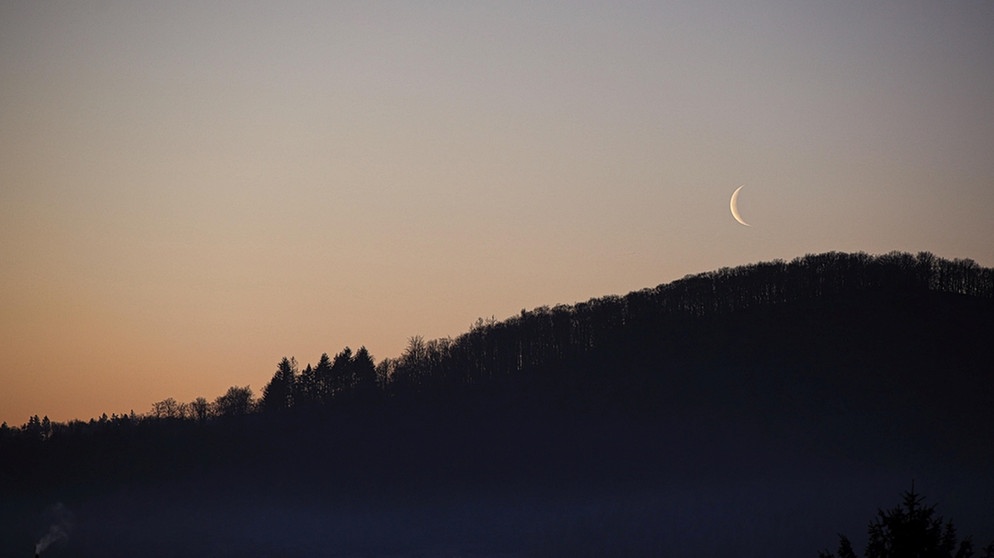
column 911, row 530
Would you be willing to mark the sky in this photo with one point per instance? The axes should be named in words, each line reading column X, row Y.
column 190, row 191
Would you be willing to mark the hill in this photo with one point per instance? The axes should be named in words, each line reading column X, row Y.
column 745, row 410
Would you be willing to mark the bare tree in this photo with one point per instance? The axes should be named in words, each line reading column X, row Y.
column 236, row 401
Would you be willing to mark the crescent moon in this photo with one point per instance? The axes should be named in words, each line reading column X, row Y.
column 734, row 205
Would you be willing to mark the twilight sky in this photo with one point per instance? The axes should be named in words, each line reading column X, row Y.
column 191, row 190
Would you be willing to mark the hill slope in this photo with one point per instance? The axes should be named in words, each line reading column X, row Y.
column 758, row 410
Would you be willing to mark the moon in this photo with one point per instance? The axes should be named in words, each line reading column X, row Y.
column 734, row 205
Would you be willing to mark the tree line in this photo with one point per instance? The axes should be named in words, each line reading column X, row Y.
column 545, row 339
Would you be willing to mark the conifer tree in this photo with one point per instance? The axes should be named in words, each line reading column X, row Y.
column 911, row 530
column 277, row 395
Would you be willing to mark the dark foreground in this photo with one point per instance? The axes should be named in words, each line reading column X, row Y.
column 546, row 487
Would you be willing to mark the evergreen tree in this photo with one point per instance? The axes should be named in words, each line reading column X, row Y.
column 322, row 380
column 306, row 392
column 278, row 394
column 364, row 374
column 46, row 428
column 33, row 428
column 911, row 530
column 340, row 377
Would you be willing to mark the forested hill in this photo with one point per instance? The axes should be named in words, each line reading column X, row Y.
column 834, row 320
column 777, row 370
column 650, row 329
column 545, row 336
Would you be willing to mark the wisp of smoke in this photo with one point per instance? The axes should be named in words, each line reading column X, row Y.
column 55, row 533
column 61, row 519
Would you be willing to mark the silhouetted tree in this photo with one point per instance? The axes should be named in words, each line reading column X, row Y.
column 911, row 530
column 33, row 428
column 46, row 428
column 340, row 377
column 236, row 401
column 305, row 390
column 278, row 394
column 364, row 374
column 412, row 366
column 384, row 372
column 319, row 385
column 167, row 409
column 200, row 409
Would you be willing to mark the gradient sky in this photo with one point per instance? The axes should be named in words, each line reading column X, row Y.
column 191, row 190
